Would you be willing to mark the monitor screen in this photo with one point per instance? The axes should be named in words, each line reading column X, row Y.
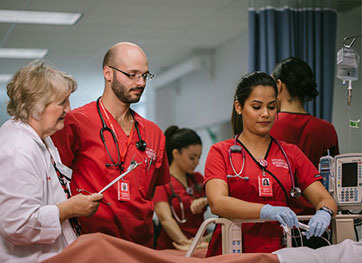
column 349, row 174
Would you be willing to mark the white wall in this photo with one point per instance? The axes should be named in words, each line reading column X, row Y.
column 204, row 99
column 3, row 100
column 92, row 87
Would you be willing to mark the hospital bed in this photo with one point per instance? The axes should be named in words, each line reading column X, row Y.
column 342, row 228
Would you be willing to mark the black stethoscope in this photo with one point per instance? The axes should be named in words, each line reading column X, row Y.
column 189, row 191
column 295, row 192
column 140, row 144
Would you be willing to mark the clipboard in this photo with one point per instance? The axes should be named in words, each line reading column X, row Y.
column 130, row 168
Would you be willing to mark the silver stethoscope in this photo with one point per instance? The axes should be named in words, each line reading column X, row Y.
column 295, row 192
column 189, row 191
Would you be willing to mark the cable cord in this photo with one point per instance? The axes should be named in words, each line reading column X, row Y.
column 356, row 233
column 301, row 234
column 349, row 128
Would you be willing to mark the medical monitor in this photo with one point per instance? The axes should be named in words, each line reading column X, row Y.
column 348, row 169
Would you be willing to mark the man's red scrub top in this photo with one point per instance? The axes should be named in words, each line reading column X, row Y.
column 81, row 148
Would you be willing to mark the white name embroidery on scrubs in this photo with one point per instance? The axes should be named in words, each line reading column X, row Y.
column 280, row 163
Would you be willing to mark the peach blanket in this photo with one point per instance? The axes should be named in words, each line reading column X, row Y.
column 103, row 248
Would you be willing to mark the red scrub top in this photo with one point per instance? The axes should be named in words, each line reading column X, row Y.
column 163, row 194
column 81, row 148
column 258, row 237
column 313, row 136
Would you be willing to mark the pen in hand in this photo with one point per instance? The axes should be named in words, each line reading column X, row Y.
column 82, row 191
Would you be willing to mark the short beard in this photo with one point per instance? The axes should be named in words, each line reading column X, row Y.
column 121, row 92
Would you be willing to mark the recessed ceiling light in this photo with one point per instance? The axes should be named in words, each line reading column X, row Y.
column 38, row 17
column 26, row 53
column 5, row 77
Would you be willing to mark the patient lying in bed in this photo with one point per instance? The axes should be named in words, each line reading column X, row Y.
column 347, row 251
column 103, row 248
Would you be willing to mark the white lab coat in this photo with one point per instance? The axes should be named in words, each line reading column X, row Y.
column 30, row 230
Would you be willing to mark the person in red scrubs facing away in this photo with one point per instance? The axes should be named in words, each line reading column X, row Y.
column 236, row 168
column 315, row 137
column 180, row 204
column 102, row 138
column 296, row 85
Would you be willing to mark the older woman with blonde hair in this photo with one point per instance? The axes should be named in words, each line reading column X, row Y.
column 37, row 213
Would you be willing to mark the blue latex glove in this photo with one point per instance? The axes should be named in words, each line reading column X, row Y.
column 283, row 214
column 318, row 224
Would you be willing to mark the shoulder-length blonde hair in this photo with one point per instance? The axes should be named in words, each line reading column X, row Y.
column 33, row 87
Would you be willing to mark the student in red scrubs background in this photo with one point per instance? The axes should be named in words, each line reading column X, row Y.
column 102, row 138
column 236, row 168
column 315, row 137
column 181, row 203
column 296, row 85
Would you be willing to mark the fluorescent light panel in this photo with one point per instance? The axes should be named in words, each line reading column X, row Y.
column 38, row 17
column 5, row 77
column 26, row 53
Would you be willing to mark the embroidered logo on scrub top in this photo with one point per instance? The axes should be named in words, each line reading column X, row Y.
column 151, row 158
column 151, row 154
column 280, row 163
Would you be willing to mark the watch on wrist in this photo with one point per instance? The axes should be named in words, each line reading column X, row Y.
column 328, row 210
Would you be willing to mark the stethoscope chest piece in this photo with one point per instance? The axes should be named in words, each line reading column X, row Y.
column 263, row 163
column 295, row 192
column 189, row 190
column 141, row 145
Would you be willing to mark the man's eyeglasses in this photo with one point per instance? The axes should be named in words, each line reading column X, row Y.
column 146, row 76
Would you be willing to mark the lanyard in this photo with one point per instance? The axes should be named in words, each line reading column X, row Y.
column 63, row 182
column 123, row 153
